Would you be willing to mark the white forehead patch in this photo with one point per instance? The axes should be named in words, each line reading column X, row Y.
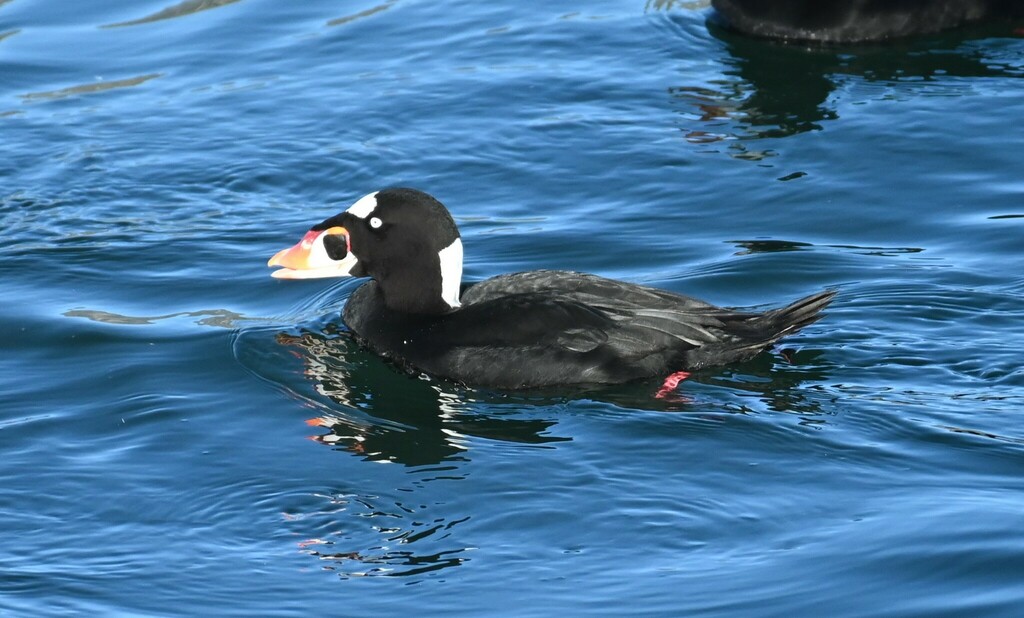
column 363, row 207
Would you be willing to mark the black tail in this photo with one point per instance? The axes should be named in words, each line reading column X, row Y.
column 778, row 323
column 746, row 334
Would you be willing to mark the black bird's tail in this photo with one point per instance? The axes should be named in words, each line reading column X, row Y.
column 747, row 334
column 778, row 323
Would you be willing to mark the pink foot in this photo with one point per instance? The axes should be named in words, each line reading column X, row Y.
column 671, row 383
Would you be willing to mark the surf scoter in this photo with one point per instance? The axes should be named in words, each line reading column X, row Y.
column 853, row 21
column 522, row 330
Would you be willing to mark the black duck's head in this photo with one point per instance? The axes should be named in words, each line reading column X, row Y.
column 403, row 238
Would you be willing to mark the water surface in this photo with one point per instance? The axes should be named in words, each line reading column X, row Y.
column 185, row 435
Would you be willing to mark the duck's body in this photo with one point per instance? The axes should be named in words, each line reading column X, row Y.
column 546, row 328
column 853, row 21
column 522, row 330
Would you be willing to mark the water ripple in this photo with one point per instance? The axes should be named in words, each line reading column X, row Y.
column 378, row 537
column 91, row 88
column 221, row 318
column 340, row 21
column 182, row 9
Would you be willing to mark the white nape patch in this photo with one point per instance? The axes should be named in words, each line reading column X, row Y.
column 364, row 206
column 451, row 272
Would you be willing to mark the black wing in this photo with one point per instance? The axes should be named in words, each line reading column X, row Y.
column 549, row 327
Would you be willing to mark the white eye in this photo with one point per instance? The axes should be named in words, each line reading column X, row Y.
column 375, row 222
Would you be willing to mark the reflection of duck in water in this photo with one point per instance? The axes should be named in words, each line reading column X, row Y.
column 784, row 90
column 850, row 21
column 524, row 330
column 385, row 416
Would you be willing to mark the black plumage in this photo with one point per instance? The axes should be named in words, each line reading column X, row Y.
column 852, row 21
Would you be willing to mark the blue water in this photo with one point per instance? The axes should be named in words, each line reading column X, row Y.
column 184, row 435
